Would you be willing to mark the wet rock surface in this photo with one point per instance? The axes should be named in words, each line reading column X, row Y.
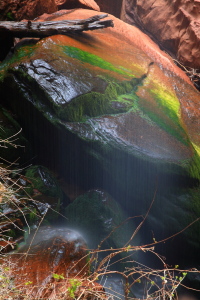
column 174, row 26
column 54, row 251
column 97, row 214
column 45, row 192
column 157, row 105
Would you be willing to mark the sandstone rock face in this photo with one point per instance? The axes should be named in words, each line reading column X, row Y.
column 29, row 9
column 172, row 24
column 26, row 9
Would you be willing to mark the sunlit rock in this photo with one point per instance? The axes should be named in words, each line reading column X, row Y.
column 30, row 9
column 174, row 25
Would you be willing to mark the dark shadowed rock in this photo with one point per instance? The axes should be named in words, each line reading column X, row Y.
column 70, row 4
column 112, row 7
column 11, row 229
column 25, row 9
column 43, row 187
column 97, row 214
column 11, row 138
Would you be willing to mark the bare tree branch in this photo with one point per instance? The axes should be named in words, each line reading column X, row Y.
column 44, row 29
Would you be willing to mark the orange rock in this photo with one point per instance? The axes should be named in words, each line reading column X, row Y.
column 28, row 9
column 166, row 94
column 48, row 264
column 174, row 25
column 130, row 38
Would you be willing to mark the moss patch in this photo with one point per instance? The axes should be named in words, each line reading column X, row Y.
column 194, row 166
column 43, row 181
column 97, row 214
column 119, row 97
column 18, row 56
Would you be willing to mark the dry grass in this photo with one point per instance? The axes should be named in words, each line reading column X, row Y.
column 160, row 284
column 164, row 282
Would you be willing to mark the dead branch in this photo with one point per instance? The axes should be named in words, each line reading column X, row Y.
column 44, row 29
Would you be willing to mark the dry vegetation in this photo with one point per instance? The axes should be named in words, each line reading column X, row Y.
column 193, row 74
column 158, row 284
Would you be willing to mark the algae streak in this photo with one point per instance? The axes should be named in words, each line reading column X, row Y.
column 94, row 60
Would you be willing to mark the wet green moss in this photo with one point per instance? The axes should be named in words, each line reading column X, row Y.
column 18, row 56
column 194, row 166
column 118, row 98
column 97, row 214
column 43, row 181
column 32, row 217
column 11, row 233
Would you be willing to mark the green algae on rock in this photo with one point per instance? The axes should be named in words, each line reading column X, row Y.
column 18, row 55
column 48, row 196
column 43, row 181
column 117, row 98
